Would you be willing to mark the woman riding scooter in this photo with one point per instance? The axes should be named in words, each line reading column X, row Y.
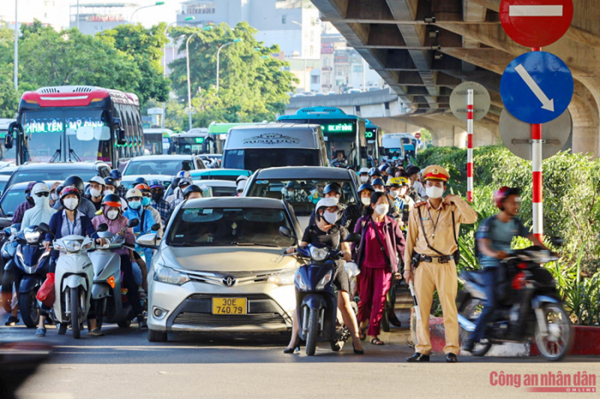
column 327, row 231
column 113, row 217
column 69, row 220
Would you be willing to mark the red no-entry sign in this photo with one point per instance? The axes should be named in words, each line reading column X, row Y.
column 536, row 23
column 417, row 135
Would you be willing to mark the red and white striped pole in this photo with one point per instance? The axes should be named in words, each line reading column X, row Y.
column 536, row 157
column 470, row 145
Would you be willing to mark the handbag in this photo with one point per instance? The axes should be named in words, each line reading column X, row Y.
column 46, row 293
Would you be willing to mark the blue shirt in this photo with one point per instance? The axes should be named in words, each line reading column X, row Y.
column 501, row 235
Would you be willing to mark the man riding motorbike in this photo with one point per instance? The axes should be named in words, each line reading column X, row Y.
column 97, row 185
column 24, row 206
column 494, row 238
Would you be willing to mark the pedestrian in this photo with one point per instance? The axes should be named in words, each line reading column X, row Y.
column 431, row 256
column 355, row 211
column 377, row 254
column 416, row 190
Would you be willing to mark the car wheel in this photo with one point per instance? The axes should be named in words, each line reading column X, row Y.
column 157, row 336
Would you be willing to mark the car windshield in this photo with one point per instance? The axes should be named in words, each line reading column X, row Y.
column 168, row 167
column 195, row 227
column 50, row 174
column 254, row 159
column 303, row 195
column 12, row 199
column 3, row 185
column 217, row 190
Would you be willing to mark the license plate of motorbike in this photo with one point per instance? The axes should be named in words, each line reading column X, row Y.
column 229, row 306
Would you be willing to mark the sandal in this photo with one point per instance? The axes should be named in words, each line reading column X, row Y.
column 96, row 333
column 377, row 341
column 363, row 333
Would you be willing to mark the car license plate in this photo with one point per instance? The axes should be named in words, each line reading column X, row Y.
column 229, row 306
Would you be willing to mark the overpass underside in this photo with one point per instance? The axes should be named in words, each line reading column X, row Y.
column 425, row 48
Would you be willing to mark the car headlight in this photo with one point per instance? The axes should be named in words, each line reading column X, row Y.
column 73, row 246
column 319, row 254
column 282, row 278
column 167, row 275
column 32, row 236
column 325, row 280
column 299, row 281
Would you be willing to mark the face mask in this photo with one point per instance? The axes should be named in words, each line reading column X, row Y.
column 394, row 194
column 41, row 201
column 54, row 196
column 95, row 192
column 382, row 209
column 366, row 201
column 330, row 217
column 71, row 203
column 108, row 192
column 364, row 179
column 378, row 190
column 156, row 197
column 30, row 200
column 146, row 201
column 112, row 214
column 135, row 204
column 434, row 192
column 117, row 183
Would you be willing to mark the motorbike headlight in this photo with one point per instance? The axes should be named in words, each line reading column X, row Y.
column 73, row 246
column 32, row 236
column 282, row 278
column 88, row 245
column 319, row 254
column 167, row 275
column 299, row 281
column 325, row 280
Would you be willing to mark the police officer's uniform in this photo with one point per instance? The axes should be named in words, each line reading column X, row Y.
column 432, row 239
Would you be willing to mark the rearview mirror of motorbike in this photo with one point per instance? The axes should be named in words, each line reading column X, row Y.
column 103, row 227
column 352, row 237
column 44, row 228
column 557, row 241
column 147, row 241
column 133, row 223
column 155, row 227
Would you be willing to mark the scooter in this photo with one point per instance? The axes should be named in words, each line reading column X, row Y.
column 316, row 297
column 107, row 298
column 529, row 306
column 8, row 251
column 74, row 276
column 31, row 266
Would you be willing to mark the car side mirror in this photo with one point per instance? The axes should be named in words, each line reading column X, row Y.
column 352, row 237
column 148, row 241
column 44, row 228
column 133, row 223
column 103, row 227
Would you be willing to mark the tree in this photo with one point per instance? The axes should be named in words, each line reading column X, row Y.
column 8, row 94
column 253, row 85
column 145, row 46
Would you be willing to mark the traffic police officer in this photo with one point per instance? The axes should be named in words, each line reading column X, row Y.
column 431, row 244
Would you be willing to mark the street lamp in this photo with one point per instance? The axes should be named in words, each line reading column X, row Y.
column 158, row 3
column 187, row 53
column 16, row 70
column 218, row 59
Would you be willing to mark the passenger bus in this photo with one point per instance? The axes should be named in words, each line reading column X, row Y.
column 392, row 145
column 373, row 134
column 76, row 123
column 157, row 141
column 194, row 142
column 341, row 132
column 219, row 131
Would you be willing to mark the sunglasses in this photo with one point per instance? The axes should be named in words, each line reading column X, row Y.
column 43, row 194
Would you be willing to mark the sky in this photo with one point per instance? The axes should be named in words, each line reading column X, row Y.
column 59, row 13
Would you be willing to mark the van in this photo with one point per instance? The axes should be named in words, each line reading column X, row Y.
column 393, row 145
column 274, row 144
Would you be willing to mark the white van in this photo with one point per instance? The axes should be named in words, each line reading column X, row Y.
column 274, row 144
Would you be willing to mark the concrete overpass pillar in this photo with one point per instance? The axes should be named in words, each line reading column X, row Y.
column 460, row 137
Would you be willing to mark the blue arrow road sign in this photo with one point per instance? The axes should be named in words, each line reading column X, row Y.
column 536, row 87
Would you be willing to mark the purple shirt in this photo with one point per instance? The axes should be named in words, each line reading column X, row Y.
column 114, row 226
column 20, row 211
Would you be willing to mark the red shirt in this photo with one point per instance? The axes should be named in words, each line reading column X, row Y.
column 373, row 255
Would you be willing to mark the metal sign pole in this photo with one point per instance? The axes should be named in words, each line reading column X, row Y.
column 536, row 157
column 470, row 145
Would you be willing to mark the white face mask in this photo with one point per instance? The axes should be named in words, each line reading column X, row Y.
column 54, row 196
column 434, row 192
column 70, row 203
column 107, row 192
column 366, row 201
column 95, row 192
column 394, row 194
column 364, row 179
column 41, row 201
column 382, row 209
column 112, row 214
column 330, row 217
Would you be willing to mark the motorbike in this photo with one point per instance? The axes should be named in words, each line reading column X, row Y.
column 31, row 266
column 9, row 248
column 529, row 306
column 74, row 276
column 107, row 299
column 316, row 298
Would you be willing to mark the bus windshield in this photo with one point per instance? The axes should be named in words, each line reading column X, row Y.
column 153, row 143
column 66, row 134
column 191, row 145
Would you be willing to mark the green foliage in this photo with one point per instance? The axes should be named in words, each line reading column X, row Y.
column 252, row 88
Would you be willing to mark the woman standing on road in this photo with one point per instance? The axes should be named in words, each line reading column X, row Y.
column 381, row 244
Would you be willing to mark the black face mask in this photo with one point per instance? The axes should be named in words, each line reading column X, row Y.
column 30, row 200
column 157, row 197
